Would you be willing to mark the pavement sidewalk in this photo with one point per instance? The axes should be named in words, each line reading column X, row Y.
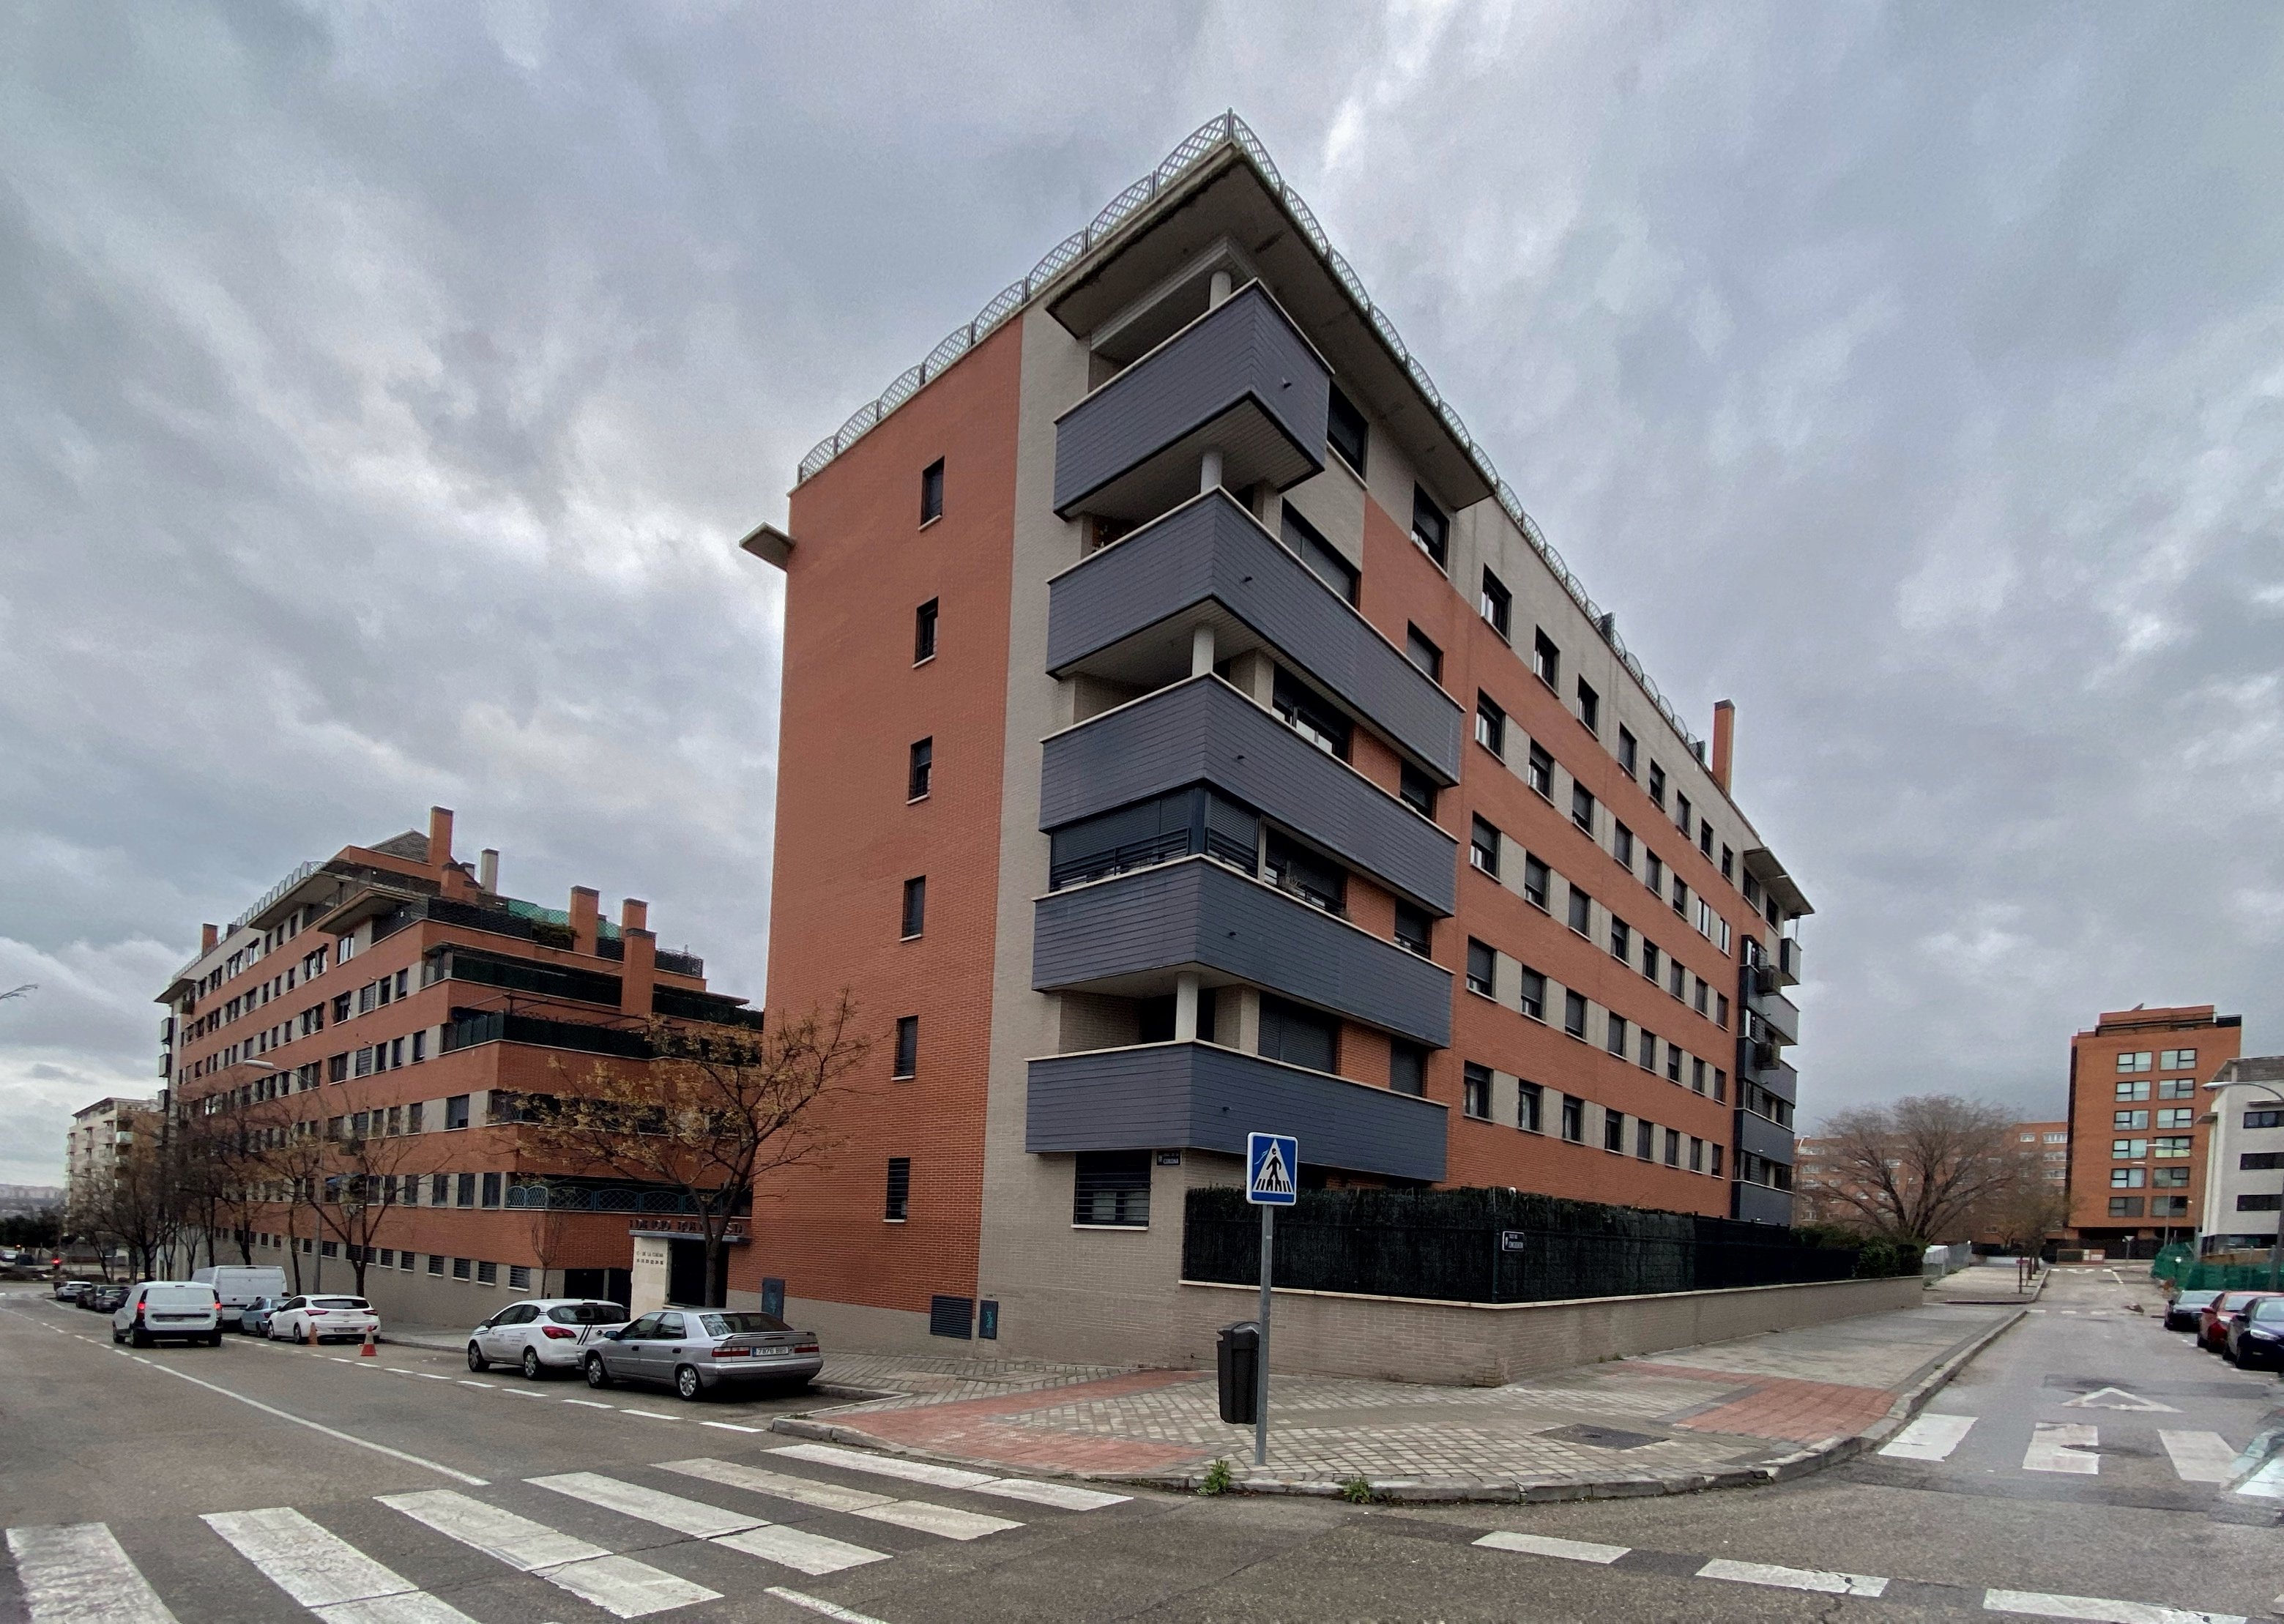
column 1759, row 1410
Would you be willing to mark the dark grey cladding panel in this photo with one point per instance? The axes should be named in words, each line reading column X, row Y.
column 1244, row 348
column 1762, row 1137
column 1213, row 549
column 1758, row 1203
column 1781, row 1080
column 1780, row 1012
column 1196, row 1097
column 1196, row 912
column 1205, row 730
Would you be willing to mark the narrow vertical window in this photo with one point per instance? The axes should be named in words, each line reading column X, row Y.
column 932, row 492
column 1475, row 1097
column 1407, row 1068
column 1423, row 654
column 1418, row 790
column 1590, row 708
column 1490, row 725
column 1346, row 429
column 1480, row 961
column 1546, row 660
column 1430, row 528
column 908, row 1047
column 1529, row 1100
column 1574, row 1118
column 1497, row 604
column 1483, row 848
column 900, row 1189
column 922, row 771
column 924, row 632
column 915, row 918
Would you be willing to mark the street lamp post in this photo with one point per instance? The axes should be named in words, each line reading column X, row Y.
column 2276, row 1243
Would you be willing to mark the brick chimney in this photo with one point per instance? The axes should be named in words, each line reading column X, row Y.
column 488, row 870
column 639, row 975
column 586, row 916
column 634, row 914
column 208, row 936
column 1725, row 741
column 440, row 837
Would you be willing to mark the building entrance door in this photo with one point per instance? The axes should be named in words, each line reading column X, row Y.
column 685, row 1274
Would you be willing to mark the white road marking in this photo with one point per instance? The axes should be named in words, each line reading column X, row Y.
column 813, row 1554
column 2060, row 1447
column 619, row 1585
column 1793, row 1578
column 327, row 1574
column 2117, row 1398
column 732, row 1426
column 2267, row 1483
column 815, row 1606
column 693, row 1518
column 952, row 1477
column 2098, row 1610
column 2200, row 1458
column 1929, row 1437
column 1546, row 1545
column 920, row 1516
column 591, row 1404
column 77, row 1574
column 431, row 1376
column 647, row 1415
column 465, row 1382
column 362, row 1443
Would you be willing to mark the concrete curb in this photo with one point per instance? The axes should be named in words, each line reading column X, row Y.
column 1783, row 1468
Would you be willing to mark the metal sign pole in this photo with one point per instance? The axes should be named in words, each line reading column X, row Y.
column 1261, row 1388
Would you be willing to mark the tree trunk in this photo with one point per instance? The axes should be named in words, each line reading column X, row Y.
column 712, row 1256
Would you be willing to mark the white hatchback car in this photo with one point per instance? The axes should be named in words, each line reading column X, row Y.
column 330, row 1317
column 542, row 1333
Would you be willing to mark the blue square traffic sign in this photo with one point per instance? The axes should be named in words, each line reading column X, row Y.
column 1272, row 1169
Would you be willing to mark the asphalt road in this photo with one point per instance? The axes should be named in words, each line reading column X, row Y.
column 198, row 1487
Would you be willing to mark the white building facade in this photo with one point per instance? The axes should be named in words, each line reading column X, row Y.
column 2244, row 1169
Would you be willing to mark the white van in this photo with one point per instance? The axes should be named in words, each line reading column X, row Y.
column 156, row 1309
column 237, row 1286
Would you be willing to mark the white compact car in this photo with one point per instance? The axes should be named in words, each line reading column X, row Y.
column 541, row 1334
column 158, row 1308
column 332, row 1318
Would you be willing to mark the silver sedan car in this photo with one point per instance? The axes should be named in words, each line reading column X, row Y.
column 695, row 1351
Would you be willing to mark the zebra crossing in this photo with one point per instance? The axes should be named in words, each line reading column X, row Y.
column 2074, row 1448
column 583, row 1547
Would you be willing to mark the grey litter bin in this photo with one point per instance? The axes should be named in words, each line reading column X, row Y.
column 1238, row 1359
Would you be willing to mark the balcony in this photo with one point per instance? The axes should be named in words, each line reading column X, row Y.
column 1200, row 1097
column 1759, row 1204
column 1127, row 612
column 1122, row 935
column 1240, row 379
column 1777, row 1013
column 1205, row 731
column 1764, row 1138
column 1788, row 960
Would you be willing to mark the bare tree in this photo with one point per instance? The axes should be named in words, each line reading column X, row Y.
column 365, row 1159
column 715, row 1108
column 1923, row 1168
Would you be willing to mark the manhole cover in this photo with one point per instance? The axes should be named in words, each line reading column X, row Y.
column 1601, row 1437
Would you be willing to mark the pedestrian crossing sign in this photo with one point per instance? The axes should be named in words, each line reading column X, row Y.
column 1272, row 1165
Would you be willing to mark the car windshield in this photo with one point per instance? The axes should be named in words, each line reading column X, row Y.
column 588, row 1314
column 2269, row 1311
column 2194, row 1300
column 741, row 1324
column 338, row 1302
column 2232, row 1299
column 179, row 1297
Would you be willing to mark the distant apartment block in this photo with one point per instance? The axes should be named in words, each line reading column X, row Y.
column 2244, row 1155
column 99, row 1137
column 2137, row 1146
column 1187, row 732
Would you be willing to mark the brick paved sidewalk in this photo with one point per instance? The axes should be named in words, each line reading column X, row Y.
column 1750, row 1410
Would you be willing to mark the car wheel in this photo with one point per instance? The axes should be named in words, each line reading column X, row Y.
column 141, row 1338
column 686, row 1384
column 2227, row 1355
column 476, row 1360
column 597, row 1375
column 115, row 1336
column 214, row 1337
column 532, row 1369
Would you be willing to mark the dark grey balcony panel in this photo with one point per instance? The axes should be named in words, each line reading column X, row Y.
column 1197, row 1097
column 1240, row 378
column 1758, row 1203
column 1781, row 1080
column 1203, row 730
column 1788, row 960
column 1195, row 912
column 1782, row 1014
column 1212, row 550
column 1762, row 1137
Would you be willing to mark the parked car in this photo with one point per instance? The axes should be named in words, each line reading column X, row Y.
column 253, row 1319
column 105, row 1298
column 332, row 1318
column 237, row 1285
column 542, row 1334
column 2213, row 1318
column 696, row 1350
column 2256, row 1337
column 70, row 1291
column 2181, row 1312
column 157, row 1309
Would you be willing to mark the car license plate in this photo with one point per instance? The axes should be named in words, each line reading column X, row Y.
column 174, row 1317
column 769, row 1352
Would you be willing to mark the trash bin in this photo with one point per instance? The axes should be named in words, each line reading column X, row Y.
column 1238, row 1359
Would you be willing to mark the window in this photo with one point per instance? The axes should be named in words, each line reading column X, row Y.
column 2263, row 1118
column 1483, row 849
column 1529, row 1099
column 1696, row 1076
column 1628, row 748
column 486, row 1273
column 1346, row 429
column 1654, row 872
column 2169, row 1178
column 924, row 633
column 1582, row 808
column 2168, row 1206
column 1111, row 1189
column 1705, row 836
column 922, row 771
column 2264, row 1203
column 2256, row 1161
column 518, row 1278
column 915, row 917
column 1430, row 528
column 492, row 1190
column 1614, row 1132
column 1677, row 978
column 1574, row 1119
column 1414, row 929
column 1729, row 864
column 1650, row 957
column 1721, row 1010
column 1713, row 1159
column 1421, row 653
column 1407, row 1068
column 1582, row 910
column 908, row 1047
column 439, row 1187
column 1533, row 1001
column 1704, row 992
column 2125, row 1207
column 1497, row 604
column 2176, row 1059
column 1622, row 939
column 2175, row 1145
column 2128, row 1119
column 1323, row 560
column 932, row 492
column 1590, row 708
column 1299, row 1036
column 1622, row 845
column 1535, row 878
column 1475, row 1092
column 1720, row 1091
column 1645, row 1140
column 1416, row 790
column 1646, row 1049
column 1540, row 773
column 2176, row 1088
column 1673, row 1067
column 1682, row 814
column 1490, row 725
column 1680, row 896
column 2132, row 1091
column 1657, row 785
column 2126, row 1178
column 463, row 1190
column 436, row 1262
column 1615, row 1033
column 1299, row 709
column 898, row 1205
column 1481, row 960
column 1574, row 1014
column 2134, row 1062
column 1546, row 660
column 1672, row 1148
column 1696, row 1154
column 456, row 1112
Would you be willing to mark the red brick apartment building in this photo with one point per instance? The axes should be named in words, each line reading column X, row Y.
column 2137, row 1148
column 394, row 987
column 1185, row 733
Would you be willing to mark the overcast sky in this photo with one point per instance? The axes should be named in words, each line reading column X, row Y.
column 384, row 389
